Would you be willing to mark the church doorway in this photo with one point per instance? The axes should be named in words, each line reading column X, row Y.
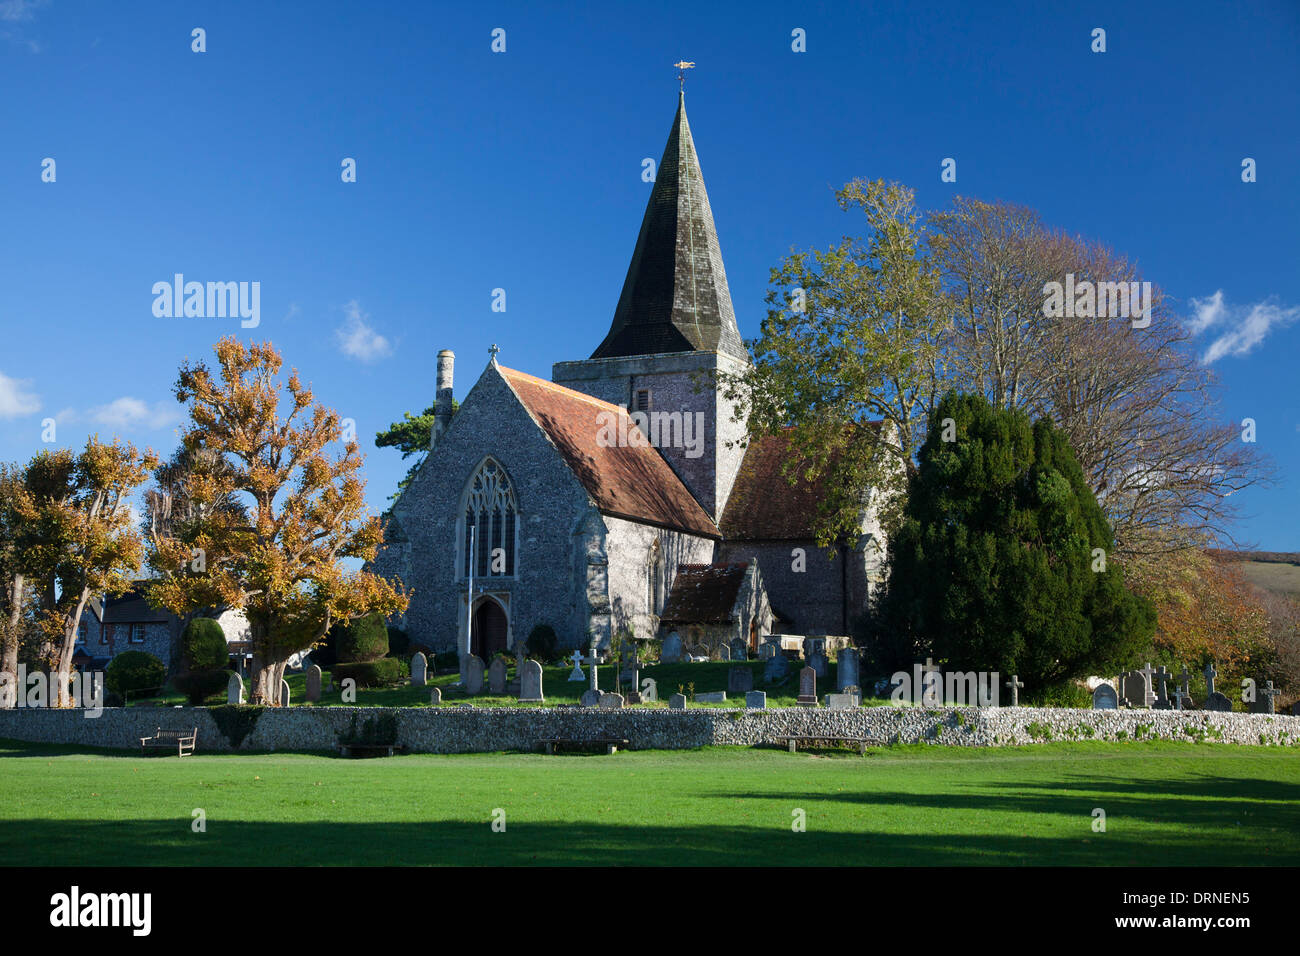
column 491, row 630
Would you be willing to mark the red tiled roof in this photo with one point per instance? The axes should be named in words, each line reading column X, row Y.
column 624, row 481
column 703, row 593
column 763, row 505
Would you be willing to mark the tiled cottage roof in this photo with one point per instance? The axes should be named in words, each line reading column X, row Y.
column 704, row 594
column 675, row 296
column 132, row 608
column 625, row 481
column 763, row 505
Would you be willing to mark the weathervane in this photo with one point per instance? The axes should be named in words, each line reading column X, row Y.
column 682, row 67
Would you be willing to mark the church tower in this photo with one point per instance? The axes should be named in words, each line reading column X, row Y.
column 674, row 329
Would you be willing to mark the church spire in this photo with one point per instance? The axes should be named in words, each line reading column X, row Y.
column 675, row 297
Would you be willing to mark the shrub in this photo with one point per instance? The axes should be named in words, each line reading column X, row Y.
column 203, row 645
column 399, row 645
column 543, row 643
column 133, row 671
column 198, row 686
column 386, row 670
column 1067, row 694
column 361, row 640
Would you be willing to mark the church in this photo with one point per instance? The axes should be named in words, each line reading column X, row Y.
column 620, row 496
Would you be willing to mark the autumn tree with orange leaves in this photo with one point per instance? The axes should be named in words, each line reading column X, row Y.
column 281, row 563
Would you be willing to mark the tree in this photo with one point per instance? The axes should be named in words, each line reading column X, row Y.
column 411, row 437
column 852, row 338
column 15, row 585
column 1001, row 560
column 1139, row 408
column 306, row 507
column 77, row 539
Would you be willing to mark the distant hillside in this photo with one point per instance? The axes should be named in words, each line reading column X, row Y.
column 1277, row 571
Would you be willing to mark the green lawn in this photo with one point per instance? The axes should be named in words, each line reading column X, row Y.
column 1166, row 804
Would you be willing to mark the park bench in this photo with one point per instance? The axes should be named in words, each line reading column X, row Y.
column 611, row 744
column 367, row 750
column 183, row 741
column 862, row 743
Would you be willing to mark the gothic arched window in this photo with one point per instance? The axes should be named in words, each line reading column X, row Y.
column 655, row 580
column 490, row 520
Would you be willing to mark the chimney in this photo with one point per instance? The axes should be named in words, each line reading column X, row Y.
column 442, row 405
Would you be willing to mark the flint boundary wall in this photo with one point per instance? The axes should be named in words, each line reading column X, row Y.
column 458, row 729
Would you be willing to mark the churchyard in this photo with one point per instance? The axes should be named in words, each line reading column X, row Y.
column 1162, row 804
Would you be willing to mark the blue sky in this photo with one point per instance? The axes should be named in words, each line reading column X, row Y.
column 522, row 170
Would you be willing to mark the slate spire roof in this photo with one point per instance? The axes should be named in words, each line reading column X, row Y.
column 675, row 297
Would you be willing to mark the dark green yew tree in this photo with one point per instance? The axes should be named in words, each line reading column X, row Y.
column 1003, row 559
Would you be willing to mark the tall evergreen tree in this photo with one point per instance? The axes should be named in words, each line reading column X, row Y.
column 1003, row 559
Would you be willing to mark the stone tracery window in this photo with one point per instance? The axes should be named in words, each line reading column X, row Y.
column 491, row 517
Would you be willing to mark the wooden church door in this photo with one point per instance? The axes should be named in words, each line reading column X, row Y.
column 490, row 630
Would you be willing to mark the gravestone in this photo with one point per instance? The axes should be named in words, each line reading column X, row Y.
column 739, row 649
column 846, row 668
column 576, row 674
column 473, row 674
column 435, row 695
column 1104, row 698
column 590, row 698
column 776, row 669
column 1210, row 674
column 1014, row 686
column 813, row 645
column 284, row 693
column 672, row 649
column 611, row 701
column 722, row 652
column 1265, row 699
column 1162, row 679
column 649, row 690
column 313, row 684
column 740, row 680
column 497, row 671
column 818, row 663
column 807, row 688
column 756, row 700
column 419, row 669
column 1149, row 674
column 530, row 682
column 713, row 697
column 1133, row 689
column 1218, row 702
column 677, row 702
column 235, row 689
column 592, row 660
column 843, row 701
column 632, row 666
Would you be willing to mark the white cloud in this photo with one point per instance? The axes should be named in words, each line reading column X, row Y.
column 357, row 339
column 128, row 412
column 1237, row 328
column 18, row 11
column 15, row 399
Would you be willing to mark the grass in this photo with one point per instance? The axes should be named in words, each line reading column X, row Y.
column 1272, row 576
column 1165, row 804
column 556, row 687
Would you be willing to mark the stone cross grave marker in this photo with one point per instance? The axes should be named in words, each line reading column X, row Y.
column 1149, row 696
column 1104, row 698
column 740, row 679
column 1210, row 674
column 474, row 674
column 1014, row 685
column 631, row 665
column 1264, row 699
column 497, row 676
column 591, row 660
column 1213, row 699
column 235, row 689
column 576, row 674
column 1162, row 677
column 313, row 683
column 419, row 669
column 1179, row 697
column 530, row 682
column 846, row 668
column 807, row 688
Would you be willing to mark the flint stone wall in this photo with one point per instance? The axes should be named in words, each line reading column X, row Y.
column 452, row 729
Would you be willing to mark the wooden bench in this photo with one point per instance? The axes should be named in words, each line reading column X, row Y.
column 182, row 741
column 824, row 739
column 611, row 744
column 367, row 750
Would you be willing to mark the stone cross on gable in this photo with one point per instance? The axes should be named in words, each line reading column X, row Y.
column 1015, row 684
column 493, row 349
column 1210, row 674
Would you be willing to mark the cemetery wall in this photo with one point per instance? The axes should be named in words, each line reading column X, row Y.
column 452, row 729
